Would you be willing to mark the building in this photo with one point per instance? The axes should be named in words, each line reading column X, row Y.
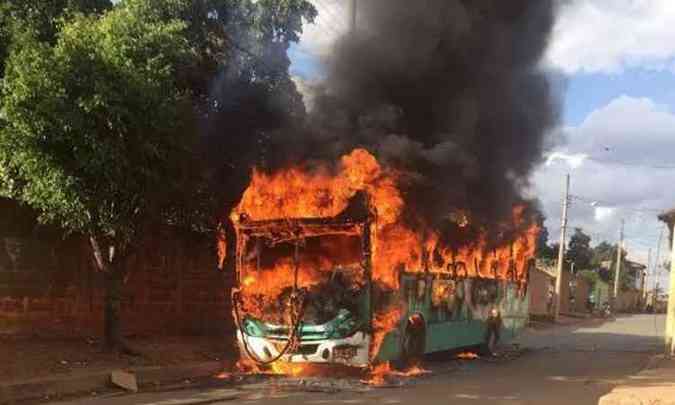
column 542, row 288
column 574, row 292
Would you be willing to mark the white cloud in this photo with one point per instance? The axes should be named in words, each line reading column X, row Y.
column 607, row 36
column 635, row 130
column 603, row 213
column 332, row 22
column 574, row 160
column 635, row 135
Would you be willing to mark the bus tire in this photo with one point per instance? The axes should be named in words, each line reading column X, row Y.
column 414, row 341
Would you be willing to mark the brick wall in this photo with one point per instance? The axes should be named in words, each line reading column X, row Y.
column 540, row 285
column 542, row 282
column 628, row 301
column 173, row 287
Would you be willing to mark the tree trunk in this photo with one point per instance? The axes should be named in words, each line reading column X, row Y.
column 112, row 309
column 113, row 266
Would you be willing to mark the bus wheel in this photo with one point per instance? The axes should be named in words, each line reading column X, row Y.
column 414, row 341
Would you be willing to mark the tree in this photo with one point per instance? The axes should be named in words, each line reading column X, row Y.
column 579, row 250
column 253, row 93
column 604, row 263
column 544, row 251
column 96, row 113
column 41, row 17
column 91, row 130
column 591, row 277
column 555, row 248
column 603, row 252
column 243, row 91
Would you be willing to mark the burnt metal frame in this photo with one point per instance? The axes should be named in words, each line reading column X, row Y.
column 300, row 228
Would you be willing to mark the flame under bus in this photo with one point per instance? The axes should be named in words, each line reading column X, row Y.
column 329, row 260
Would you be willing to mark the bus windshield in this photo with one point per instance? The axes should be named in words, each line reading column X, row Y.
column 328, row 268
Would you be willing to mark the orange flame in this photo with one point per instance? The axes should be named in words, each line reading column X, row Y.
column 467, row 356
column 378, row 374
column 221, row 246
column 414, row 371
column 290, row 369
column 247, row 366
column 325, row 192
column 296, row 193
column 383, row 322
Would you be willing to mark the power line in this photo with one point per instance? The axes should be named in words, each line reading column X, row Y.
column 631, row 164
column 599, row 203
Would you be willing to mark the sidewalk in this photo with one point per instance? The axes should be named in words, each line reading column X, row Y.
column 99, row 382
column 573, row 319
column 655, row 385
column 34, row 367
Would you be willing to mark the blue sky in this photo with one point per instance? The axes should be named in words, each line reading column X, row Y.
column 587, row 92
column 303, row 64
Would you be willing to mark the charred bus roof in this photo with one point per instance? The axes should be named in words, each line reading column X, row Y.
column 351, row 221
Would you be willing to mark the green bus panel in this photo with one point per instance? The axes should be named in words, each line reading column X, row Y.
column 464, row 329
column 391, row 347
column 452, row 335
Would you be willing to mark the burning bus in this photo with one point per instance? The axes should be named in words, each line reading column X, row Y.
column 328, row 271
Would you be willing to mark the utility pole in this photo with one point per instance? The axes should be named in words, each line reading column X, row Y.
column 352, row 14
column 670, row 311
column 655, row 294
column 617, row 273
column 561, row 248
column 645, row 277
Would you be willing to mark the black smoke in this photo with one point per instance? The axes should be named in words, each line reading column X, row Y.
column 450, row 92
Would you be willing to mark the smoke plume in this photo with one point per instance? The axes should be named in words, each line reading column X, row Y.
column 449, row 92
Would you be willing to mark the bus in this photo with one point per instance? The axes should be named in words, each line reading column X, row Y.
column 305, row 294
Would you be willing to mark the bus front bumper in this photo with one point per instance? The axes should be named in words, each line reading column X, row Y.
column 351, row 351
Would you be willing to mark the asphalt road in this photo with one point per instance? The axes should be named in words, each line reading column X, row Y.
column 563, row 365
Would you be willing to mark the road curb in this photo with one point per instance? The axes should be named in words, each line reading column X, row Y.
column 55, row 387
column 652, row 385
column 654, row 362
column 210, row 398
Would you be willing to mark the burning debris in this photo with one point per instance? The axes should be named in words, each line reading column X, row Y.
column 467, row 356
column 384, row 374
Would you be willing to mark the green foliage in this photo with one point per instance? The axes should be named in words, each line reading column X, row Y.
column 91, row 129
column 604, row 265
column 40, row 18
column 603, row 252
column 5, row 35
column 242, row 89
column 590, row 276
column 579, row 250
column 544, row 250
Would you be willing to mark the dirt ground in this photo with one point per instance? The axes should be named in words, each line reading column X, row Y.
column 28, row 357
